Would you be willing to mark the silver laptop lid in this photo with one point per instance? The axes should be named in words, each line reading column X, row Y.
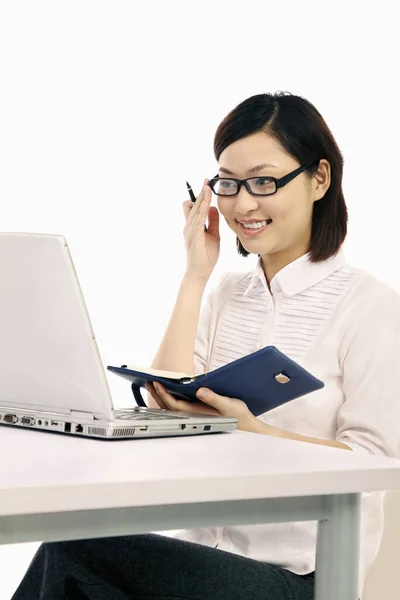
column 49, row 358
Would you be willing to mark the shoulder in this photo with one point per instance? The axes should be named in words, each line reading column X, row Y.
column 231, row 282
column 371, row 306
column 371, row 292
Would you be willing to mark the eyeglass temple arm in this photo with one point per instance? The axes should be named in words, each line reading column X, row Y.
column 284, row 180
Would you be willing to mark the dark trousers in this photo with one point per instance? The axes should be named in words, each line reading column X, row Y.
column 153, row 566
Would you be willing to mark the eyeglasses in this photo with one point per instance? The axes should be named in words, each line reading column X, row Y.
column 257, row 186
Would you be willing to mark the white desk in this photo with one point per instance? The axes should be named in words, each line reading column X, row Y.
column 56, row 487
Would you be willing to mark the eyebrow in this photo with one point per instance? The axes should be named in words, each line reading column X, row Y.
column 252, row 170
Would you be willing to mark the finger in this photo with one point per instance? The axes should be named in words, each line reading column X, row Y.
column 196, row 206
column 155, row 396
column 199, row 219
column 196, row 408
column 200, row 194
column 150, row 388
column 213, row 221
column 182, row 405
column 160, row 402
column 199, row 408
column 166, row 397
column 220, row 403
column 187, row 207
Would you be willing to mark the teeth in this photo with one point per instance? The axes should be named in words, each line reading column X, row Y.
column 256, row 225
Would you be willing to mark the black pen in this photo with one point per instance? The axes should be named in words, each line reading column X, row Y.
column 193, row 198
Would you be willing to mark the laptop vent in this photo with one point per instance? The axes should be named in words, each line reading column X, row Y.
column 123, row 431
column 97, row 431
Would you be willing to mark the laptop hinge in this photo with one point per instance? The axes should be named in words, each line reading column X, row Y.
column 78, row 414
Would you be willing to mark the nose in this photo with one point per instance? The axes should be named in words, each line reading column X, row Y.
column 245, row 202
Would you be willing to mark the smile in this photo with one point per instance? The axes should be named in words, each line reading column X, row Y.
column 255, row 228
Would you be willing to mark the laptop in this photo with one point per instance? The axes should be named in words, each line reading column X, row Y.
column 51, row 374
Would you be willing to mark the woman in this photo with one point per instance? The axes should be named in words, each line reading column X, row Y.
column 279, row 189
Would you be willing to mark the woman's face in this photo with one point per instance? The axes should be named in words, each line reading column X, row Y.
column 288, row 212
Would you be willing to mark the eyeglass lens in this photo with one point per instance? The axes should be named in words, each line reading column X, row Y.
column 258, row 185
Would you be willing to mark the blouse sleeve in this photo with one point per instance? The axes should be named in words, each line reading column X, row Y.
column 206, row 326
column 203, row 335
column 369, row 419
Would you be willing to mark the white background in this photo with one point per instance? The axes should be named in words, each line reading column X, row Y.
column 108, row 107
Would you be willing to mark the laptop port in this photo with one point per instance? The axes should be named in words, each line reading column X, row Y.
column 207, row 427
column 11, row 418
column 67, row 427
column 78, row 429
column 54, row 423
column 183, row 426
column 27, row 421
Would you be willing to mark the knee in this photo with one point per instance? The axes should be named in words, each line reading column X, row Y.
column 66, row 548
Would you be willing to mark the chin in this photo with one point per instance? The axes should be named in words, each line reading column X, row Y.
column 257, row 248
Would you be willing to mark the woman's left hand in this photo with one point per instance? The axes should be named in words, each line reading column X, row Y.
column 209, row 403
column 214, row 404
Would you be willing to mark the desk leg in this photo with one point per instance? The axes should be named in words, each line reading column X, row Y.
column 337, row 557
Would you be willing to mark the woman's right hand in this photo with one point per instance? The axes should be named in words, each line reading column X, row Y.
column 202, row 247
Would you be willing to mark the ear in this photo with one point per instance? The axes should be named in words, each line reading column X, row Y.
column 321, row 180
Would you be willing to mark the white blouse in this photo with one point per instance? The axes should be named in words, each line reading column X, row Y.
column 341, row 324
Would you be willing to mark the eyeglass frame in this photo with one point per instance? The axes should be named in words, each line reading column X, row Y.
column 279, row 182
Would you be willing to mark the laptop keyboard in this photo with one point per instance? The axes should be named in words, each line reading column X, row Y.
column 144, row 414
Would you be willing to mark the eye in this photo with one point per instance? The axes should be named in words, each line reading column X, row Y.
column 225, row 183
column 263, row 181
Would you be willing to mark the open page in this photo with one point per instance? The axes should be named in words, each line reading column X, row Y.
column 161, row 373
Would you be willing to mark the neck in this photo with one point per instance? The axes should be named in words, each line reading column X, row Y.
column 273, row 263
